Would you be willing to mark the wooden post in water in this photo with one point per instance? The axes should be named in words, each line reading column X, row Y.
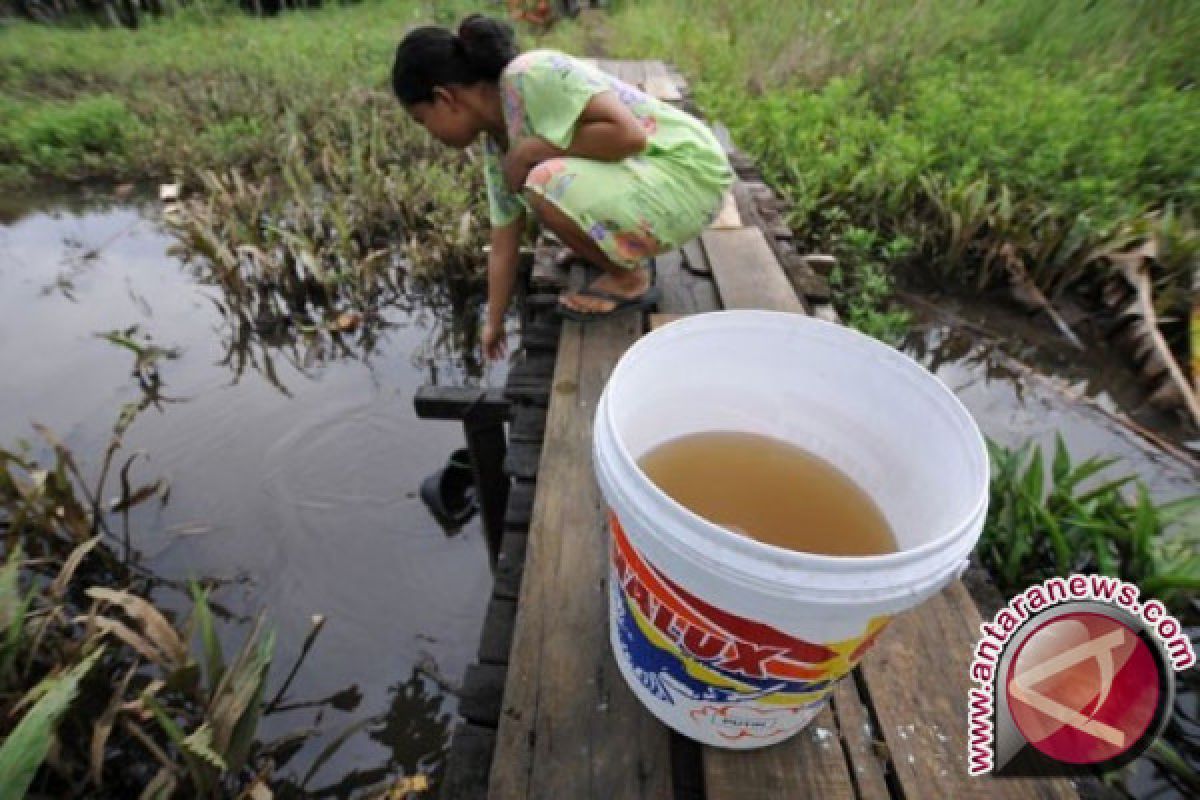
column 483, row 413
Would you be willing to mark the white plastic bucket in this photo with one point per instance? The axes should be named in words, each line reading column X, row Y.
column 733, row 642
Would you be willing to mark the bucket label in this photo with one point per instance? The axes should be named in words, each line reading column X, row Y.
column 683, row 648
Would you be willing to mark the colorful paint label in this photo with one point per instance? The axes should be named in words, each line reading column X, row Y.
column 750, row 677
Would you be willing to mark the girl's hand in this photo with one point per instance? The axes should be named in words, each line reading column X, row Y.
column 495, row 342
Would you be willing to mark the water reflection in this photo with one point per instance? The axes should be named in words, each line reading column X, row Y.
column 263, row 327
column 294, row 459
column 414, row 730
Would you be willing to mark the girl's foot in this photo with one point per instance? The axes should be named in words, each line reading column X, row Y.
column 629, row 285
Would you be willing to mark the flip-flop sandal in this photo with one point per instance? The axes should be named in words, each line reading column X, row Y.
column 644, row 301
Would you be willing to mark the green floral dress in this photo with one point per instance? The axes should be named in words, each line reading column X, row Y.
column 634, row 208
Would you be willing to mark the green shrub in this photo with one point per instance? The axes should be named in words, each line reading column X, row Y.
column 1047, row 519
column 59, row 139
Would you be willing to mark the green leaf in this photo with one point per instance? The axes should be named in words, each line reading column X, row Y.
column 26, row 747
column 197, row 768
column 199, row 744
column 1033, row 482
column 1062, row 461
column 1062, row 551
column 12, row 611
column 235, row 705
column 247, row 726
column 214, row 659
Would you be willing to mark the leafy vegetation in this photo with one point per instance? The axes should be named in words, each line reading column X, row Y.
column 1019, row 135
column 1055, row 517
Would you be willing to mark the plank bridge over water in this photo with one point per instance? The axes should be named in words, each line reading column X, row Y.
column 546, row 714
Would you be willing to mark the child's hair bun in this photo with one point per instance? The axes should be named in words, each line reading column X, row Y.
column 487, row 44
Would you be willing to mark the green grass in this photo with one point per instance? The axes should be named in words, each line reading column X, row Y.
column 201, row 89
column 1078, row 120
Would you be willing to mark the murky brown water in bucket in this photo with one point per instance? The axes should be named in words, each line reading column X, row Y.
column 771, row 491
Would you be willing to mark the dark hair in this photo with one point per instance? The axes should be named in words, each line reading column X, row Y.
column 433, row 56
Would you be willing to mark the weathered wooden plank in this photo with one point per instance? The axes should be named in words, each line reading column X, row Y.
column 610, row 66
column 694, row 259
column 495, row 641
column 865, row 750
column 810, row 764
column 683, row 292
column 482, row 690
column 466, row 772
column 633, row 73
column 805, row 279
column 459, row 402
column 542, row 336
column 521, row 460
column 747, row 272
column 570, row 727
column 546, row 273
column 528, row 425
column 728, row 217
column 535, row 393
column 916, row 679
column 510, row 565
column 656, row 321
column 659, row 84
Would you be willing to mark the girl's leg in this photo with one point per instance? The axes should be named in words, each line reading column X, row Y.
column 618, row 279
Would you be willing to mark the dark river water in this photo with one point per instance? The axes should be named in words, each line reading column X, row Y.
column 299, row 490
column 295, row 483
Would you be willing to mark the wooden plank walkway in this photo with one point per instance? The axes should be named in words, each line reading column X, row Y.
column 568, row 726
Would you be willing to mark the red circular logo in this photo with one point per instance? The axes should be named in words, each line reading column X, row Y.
column 1083, row 688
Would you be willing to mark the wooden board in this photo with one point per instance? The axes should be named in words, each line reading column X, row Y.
column 694, row 259
column 633, row 73
column 813, row 763
column 570, row 726
column 659, row 84
column 683, row 292
column 728, row 217
column 746, row 271
column 611, row 67
column 465, row 778
column 916, row 677
column 546, row 275
column 810, row 764
column 656, row 321
column 866, row 754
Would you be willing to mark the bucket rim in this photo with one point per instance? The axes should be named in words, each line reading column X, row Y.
column 782, row 556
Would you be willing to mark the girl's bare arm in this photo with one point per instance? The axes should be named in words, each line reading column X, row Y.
column 606, row 131
column 502, row 269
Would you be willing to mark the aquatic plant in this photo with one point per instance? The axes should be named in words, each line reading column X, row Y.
column 102, row 692
column 1070, row 518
